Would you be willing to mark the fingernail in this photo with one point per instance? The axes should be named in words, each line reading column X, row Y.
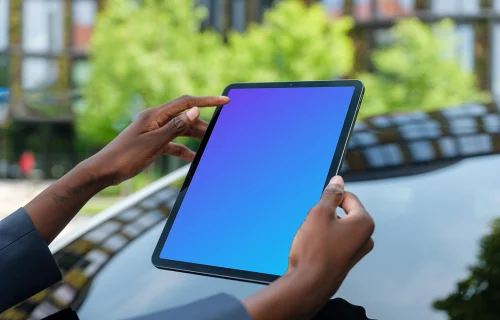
column 193, row 113
column 337, row 180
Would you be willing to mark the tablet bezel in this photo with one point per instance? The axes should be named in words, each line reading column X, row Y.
column 241, row 275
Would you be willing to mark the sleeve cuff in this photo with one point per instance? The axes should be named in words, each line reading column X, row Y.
column 26, row 263
column 218, row 307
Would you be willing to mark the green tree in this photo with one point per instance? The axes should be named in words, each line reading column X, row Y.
column 143, row 54
column 418, row 70
column 478, row 296
column 294, row 42
column 150, row 53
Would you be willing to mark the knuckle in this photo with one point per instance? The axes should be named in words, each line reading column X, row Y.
column 177, row 151
column 144, row 114
column 367, row 247
column 352, row 195
column 178, row 125
column 363, row 222
column 334, row 189
column 186, row 98
column 370, row 245
column 368, row 223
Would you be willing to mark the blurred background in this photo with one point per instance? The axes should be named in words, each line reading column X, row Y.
column 74, row 73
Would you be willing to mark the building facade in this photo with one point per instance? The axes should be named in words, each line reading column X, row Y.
column 43, row 62
column 44, row 53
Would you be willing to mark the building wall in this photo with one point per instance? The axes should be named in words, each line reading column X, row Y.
column 44, row 46
column 49, row 40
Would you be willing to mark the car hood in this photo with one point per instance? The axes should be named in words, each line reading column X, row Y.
column 432, row 208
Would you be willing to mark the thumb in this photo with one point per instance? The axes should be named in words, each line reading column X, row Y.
column 333, row 194
column 180, row 124
column 325, row 209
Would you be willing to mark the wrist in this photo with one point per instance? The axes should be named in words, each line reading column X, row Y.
column 299, row 294
column 324, row 277
column 315, row 286
column 103, row 176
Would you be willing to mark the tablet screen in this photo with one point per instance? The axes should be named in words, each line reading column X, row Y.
column 263, row 168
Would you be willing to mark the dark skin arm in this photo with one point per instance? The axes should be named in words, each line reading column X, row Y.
column 150, row 135
column 317, row 264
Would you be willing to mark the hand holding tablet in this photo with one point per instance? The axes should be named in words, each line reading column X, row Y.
column 317, row 263
column 262, row 164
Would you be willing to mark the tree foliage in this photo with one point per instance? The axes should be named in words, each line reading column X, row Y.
column 144, row 54
column 419, row 70
column 149, row 52
column 478, row 296
column 294, row 42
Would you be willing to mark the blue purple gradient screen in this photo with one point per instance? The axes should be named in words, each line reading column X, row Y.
column 263, row 168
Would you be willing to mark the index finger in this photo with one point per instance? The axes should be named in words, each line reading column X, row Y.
column 187, row 102
column 351, row 203
column 355, row 211
column 172, row 109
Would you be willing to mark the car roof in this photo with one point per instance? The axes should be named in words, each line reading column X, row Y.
column 425, row 177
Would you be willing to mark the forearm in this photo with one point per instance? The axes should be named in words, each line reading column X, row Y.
column 54, row 208
column 297, row 295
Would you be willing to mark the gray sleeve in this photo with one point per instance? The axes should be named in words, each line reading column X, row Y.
column 218, row 307
column 26, row 263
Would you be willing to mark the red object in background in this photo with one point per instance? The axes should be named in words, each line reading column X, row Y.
column 27, row 162
column 81, row 36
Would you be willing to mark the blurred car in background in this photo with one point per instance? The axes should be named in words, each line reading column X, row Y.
column 430, row 180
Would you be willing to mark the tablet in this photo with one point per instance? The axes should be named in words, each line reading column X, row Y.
column 262, row 164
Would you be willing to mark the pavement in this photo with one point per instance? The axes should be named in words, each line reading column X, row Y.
column 16, row 193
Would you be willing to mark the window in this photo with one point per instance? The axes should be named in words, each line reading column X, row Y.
column 4, row 104
column 39, row 74
column 363, row 10
column 4, row 71
column 382, row 38
column 84, row 15
column 496, row 5
column 422, row 151
column 465, row 48
column 217, row 14
column 238, row 18
column 444, row 6
column 394, row 8
column 455, row 7
column 496, row 60
column 43, row 26
column 80, row 73
column 334, row 8
column 408, row 6
column 4, row 25
column 4, row 84
column 206, row 5
column 471, row 6
column 79, row 76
